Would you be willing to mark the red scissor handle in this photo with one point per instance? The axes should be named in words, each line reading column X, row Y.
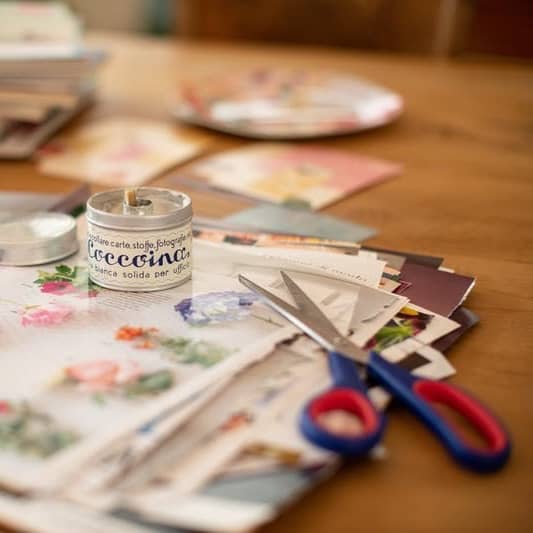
column 479, row 417
column 352, row 402
column 419, row 395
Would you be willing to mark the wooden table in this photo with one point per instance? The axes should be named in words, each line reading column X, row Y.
column 466, row 194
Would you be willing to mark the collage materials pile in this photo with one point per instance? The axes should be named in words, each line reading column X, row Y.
column 169, row 418
column 136, row 411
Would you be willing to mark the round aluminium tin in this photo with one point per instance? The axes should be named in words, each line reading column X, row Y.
column 143, row 247
column 169, row 208
column 37, row 238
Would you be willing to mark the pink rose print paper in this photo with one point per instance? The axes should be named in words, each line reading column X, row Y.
column 310, row 176
column 64, row 279
column 45, row 315
column 106, row 377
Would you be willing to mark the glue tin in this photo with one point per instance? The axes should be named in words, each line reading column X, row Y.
column 37, row 238
column 142, row 247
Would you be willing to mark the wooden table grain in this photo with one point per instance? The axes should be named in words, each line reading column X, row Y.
column 465, row 193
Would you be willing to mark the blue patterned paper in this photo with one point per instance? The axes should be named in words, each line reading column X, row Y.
column 216, row 307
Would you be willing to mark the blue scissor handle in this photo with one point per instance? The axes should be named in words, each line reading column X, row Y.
column 348, row 394
column 418, row 395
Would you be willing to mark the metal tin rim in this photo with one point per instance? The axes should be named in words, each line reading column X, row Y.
column 175, row 217
column 36, row 251
column 52, row 259
column 139, row 229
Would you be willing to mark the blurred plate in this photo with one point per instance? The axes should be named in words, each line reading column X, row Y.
column 287, row 104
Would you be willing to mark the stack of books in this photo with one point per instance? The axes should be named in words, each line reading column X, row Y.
column 47, row 74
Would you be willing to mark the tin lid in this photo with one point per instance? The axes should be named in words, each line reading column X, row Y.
column 37, row 238
column 157, row 209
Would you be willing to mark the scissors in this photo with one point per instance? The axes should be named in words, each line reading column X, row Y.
column 350, row 396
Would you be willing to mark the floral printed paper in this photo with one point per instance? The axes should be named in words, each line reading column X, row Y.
column 98, row 362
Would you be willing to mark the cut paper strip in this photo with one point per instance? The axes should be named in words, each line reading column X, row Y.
column 410, row 328
column 232, row 259
column 466, row 318
column 279, row 219
column 418, row 259
column 373, row 309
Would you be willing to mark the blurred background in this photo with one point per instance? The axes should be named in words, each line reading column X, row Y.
column 49, row 93
column 431, row 27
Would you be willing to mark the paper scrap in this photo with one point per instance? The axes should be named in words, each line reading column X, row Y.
column 281, row 173
column 231, row 259
column 280, row 219
column 117, row 152
column 436, row 290
column 463, row 316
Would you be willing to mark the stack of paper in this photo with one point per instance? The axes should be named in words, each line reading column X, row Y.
column 46, row 73
column 179, row 408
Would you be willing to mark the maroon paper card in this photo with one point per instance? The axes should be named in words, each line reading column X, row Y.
column 436, row 290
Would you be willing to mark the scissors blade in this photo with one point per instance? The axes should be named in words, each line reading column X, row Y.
column 305, row 304
column 278, row 304
column 291, row 313
column 322, row 331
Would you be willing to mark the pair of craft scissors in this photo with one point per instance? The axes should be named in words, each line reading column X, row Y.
column 349, row 394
